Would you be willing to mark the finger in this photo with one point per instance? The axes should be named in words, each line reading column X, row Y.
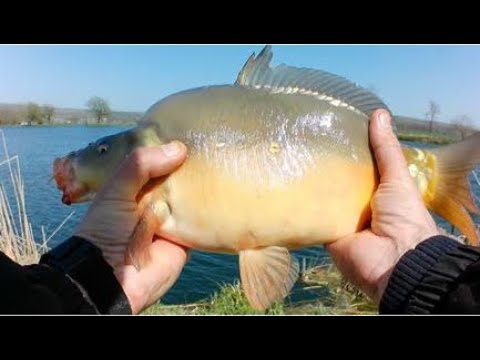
column 342, row 247
column 144, row 164
column 145, row 287
column 168, row 260
column 391, row 162
column 352, row 255
column 167, row 251
column 351, row 252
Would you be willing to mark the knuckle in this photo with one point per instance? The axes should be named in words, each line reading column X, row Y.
column 138, row 161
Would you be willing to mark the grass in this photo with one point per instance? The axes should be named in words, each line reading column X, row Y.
column 341, row 298
column 426, row 137
column 228, row 300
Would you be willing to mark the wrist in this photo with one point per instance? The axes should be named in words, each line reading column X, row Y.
column 410, row 270
column 110, row 254
column 407, row 243
column 83, row 262
column 422, row 236
column 135, row 292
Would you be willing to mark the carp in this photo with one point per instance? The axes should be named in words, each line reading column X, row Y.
column 277, row 161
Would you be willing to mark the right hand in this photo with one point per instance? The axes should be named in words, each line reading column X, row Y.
column 115, row 213
column 400, row 220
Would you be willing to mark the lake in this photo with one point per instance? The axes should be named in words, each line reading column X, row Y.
column 37, row 147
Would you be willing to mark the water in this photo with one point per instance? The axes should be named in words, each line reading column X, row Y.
column 38, row 146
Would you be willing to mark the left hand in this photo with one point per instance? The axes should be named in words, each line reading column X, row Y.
column 115, row 212
column 400, row 220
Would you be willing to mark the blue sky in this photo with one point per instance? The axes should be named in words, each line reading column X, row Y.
column 134, row 77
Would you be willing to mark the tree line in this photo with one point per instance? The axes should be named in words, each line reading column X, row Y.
column 33, row 113
column 462, row 123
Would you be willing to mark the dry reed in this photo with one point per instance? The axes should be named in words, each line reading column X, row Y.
column 16, row 235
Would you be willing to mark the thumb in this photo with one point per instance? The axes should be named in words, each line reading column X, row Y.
column 144, row 164
column 391, row 162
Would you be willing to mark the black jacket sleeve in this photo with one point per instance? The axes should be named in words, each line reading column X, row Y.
column 440, row 276
column 45, row 288
column 39, row 289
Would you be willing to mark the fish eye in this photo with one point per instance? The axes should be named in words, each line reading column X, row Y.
column 102, row 148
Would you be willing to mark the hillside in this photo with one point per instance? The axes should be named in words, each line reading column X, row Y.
column 15, row 114
column 405, row 123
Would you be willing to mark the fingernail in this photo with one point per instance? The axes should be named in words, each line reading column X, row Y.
column 172, row 149
column 384, row 120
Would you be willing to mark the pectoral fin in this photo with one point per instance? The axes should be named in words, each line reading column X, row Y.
column 267, row 274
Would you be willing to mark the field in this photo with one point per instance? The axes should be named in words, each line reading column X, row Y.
column 418, row 130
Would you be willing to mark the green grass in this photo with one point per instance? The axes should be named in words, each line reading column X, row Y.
column 340, row 298
column 426, row 137
column 229, row 300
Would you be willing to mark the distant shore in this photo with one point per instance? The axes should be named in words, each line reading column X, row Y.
column 427, row 138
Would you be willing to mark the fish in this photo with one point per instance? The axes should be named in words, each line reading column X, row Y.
column 277, row 160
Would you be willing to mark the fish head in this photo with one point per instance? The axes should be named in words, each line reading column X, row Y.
column 80, row 174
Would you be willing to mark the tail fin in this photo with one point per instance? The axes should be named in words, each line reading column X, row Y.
column 453, row 197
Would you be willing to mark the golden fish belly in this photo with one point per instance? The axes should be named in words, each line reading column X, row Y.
column 214, row 210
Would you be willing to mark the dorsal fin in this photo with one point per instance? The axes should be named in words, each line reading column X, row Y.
column 339, row 91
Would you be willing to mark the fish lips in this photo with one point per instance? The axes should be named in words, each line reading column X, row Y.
column 74, row 191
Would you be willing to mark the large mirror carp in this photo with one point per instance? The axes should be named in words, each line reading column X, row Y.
column 277, row 161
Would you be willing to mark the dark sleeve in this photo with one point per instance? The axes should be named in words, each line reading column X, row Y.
column 440, row 276
column 72, row 278
column 38, row 289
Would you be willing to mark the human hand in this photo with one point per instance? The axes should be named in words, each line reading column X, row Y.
column 111, row 220
column 400, row 220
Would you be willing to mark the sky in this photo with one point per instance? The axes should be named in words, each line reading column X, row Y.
column 133, row 77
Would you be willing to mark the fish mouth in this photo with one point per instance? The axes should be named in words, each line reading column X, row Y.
column 74, row 191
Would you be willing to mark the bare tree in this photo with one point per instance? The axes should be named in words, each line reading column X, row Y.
column 432, row 113
column 48, row 112
column 464, row 125
column 33, row 113
column 99, row 108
